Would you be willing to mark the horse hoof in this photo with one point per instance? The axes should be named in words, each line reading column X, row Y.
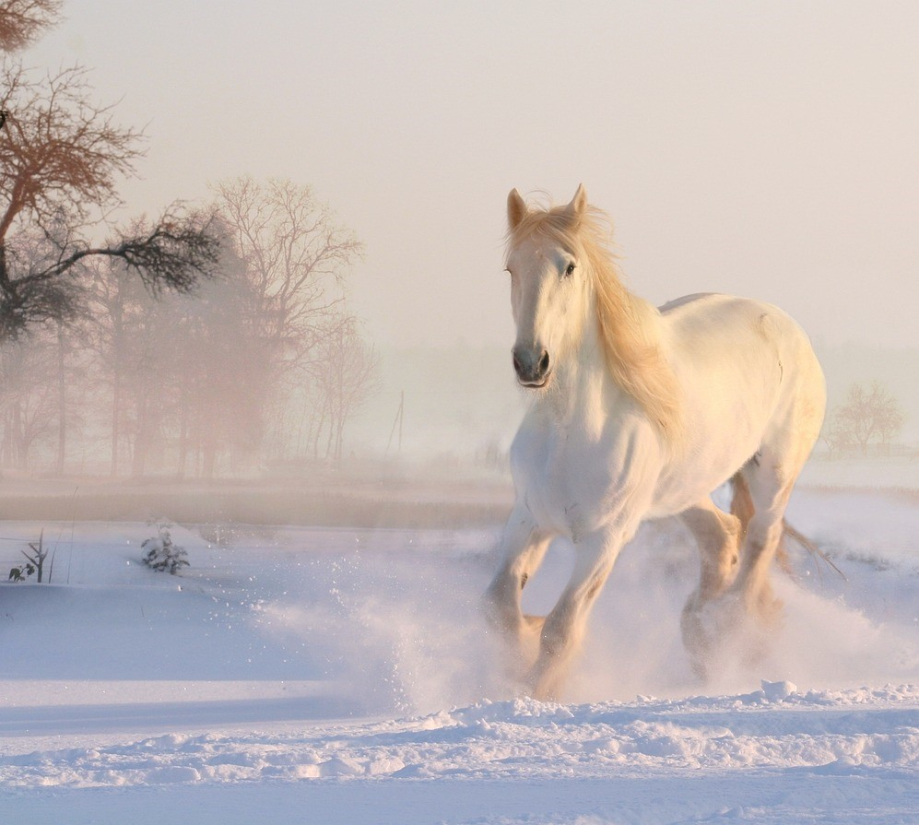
column 713, row 633
column 770, row 610
column 696, row 643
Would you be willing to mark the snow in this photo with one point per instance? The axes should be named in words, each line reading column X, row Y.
column 346, row 676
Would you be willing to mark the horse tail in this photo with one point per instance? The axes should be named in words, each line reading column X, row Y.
column 809, row 545
column 742, row 507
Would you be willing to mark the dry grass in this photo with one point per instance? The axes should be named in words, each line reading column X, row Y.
column 334, row 503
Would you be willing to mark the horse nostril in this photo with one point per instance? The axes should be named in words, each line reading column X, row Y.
column 544, row 363
column 518, row 367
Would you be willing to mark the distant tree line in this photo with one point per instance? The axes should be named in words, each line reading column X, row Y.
column 262, row 361
column 197, row 342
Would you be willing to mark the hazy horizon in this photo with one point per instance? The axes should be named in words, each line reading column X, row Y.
column 763, row 150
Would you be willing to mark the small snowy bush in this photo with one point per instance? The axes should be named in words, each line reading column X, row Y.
column 35, row 561
column 161, row 553
column 21, row 573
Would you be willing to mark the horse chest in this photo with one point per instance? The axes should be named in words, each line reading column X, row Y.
column 563, row 479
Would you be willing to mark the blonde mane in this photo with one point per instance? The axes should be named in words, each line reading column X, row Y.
column 628, row 325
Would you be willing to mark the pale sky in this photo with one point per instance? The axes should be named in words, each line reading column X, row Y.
column 766, row 149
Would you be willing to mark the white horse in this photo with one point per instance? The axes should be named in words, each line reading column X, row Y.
column 640, row 413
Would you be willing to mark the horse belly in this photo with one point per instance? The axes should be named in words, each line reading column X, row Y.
column 684, row 485
column 721, row 440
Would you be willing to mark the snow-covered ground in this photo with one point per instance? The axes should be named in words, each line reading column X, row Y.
column 345, row 676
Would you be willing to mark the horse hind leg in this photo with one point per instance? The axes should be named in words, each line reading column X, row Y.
column 717, row 535
column 742, row 507
column 769, row 487
column 748, row 611
column 769, row 477
column 730, row 592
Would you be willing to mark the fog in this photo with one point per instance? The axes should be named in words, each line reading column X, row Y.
column 760, row 149
column 765, row 150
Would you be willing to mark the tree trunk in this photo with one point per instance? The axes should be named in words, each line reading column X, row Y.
column 339, row 440
column 117, row 343
column 61, row 401
column 183, row 433
column 19, row 452
column 116, row 410
column 329, row 441
column 138, row 460
column 210, row 460
column 7, row 439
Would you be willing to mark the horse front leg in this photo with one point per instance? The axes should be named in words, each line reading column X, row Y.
column 523, row 547
column 564, row 628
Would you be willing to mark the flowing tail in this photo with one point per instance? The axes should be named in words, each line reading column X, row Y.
column 742, row 507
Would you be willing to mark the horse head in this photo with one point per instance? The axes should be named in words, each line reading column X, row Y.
column 550, row 285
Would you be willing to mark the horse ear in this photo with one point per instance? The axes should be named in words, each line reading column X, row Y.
column 516, row 209
column 578, row 205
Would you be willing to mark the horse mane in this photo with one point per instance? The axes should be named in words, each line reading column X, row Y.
column 628, row 325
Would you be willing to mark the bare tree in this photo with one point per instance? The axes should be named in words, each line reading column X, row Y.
column 63, row 348
column 183, row 373
column 112, row 305
column 221, row 376
column 347, row 371
column 865, row 415
column 889, row 415
column 61, row 157
column 136, row 352
column 294, row 258
column 22, row 21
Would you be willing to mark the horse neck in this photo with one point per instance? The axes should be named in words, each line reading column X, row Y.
column 582, row 380
column 587, row 388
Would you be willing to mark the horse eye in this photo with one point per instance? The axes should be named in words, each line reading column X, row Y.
column 569, row 270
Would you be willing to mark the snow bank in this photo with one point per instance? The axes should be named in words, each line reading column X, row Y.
column 826, row 732
column 348, row 673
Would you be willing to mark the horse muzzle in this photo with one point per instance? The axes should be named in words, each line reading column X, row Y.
column 532, row 366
